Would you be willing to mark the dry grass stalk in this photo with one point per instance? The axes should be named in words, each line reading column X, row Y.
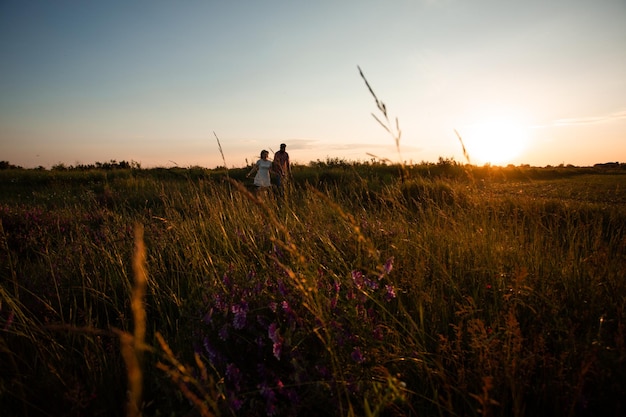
column 395, row 133
column 183, row 377
column 133, row 345
column 465, row 153
column 219, row 145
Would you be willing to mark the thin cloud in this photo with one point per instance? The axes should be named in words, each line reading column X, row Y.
column 611, row 117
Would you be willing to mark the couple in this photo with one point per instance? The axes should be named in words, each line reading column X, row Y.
column 280, row 167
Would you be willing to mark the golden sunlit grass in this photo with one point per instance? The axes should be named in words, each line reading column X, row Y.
column 493, row 288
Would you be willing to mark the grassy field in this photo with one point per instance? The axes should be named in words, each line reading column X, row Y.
column 365, row 289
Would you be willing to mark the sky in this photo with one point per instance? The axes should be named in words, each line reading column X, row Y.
column 171, row 83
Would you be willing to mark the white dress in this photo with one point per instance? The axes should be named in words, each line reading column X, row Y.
column 262, row 177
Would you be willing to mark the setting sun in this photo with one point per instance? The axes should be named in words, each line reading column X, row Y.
column 494, row 142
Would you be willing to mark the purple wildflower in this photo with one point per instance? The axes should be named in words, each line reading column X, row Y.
column 282, row 289
column 212, row 352
column 277, row 350
column 277, row 340
column 377, row 333
column 371, row 283
column 272, row 332
column 333, row 302
column 389, row 265
column 270, row 396
column 240, row 311
column 286, row 307
column 391, row 293
column 357, row 278
column 223, row 332
column 9, row 320
column 220, row 303
column 226, row 280
column 233, row 374
column 234, row 401
column 357, row 356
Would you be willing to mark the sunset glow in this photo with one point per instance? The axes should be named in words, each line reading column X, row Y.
column 495, row 142
column 151, row 82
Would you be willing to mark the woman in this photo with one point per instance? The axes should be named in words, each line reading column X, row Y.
column 262, row 169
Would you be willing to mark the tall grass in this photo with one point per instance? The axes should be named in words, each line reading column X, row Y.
column 428, row 296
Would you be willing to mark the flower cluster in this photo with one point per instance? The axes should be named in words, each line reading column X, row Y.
column 259, row 336
column 251, row 336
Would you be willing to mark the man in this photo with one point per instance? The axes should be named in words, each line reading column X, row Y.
column 282, row 167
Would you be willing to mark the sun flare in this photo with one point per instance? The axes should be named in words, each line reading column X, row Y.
column 494, row 142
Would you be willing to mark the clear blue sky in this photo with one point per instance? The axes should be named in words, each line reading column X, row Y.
column 537, row 82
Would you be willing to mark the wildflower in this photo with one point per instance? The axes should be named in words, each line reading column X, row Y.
column 277, row 350
column 285, row 306
column 240, row 311
column 223, row 332
column 234, row 375
column 9, row 320
column 212, row 352
column 282, row 289
column 357, row 356
column 234, row 401
column 272, row 332
column 377, row 333
column 258, row 288
column 270, row 397
column 357, row 278
column 220, row 303
column 226, row 280
column 391, row 293
column 333, row 302
column 207, row 317
column 388, row 265
column 371, row 283
column 276, row 339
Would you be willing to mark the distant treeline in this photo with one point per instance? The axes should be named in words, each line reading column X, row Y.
column 112, row 164
column 328, row 163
